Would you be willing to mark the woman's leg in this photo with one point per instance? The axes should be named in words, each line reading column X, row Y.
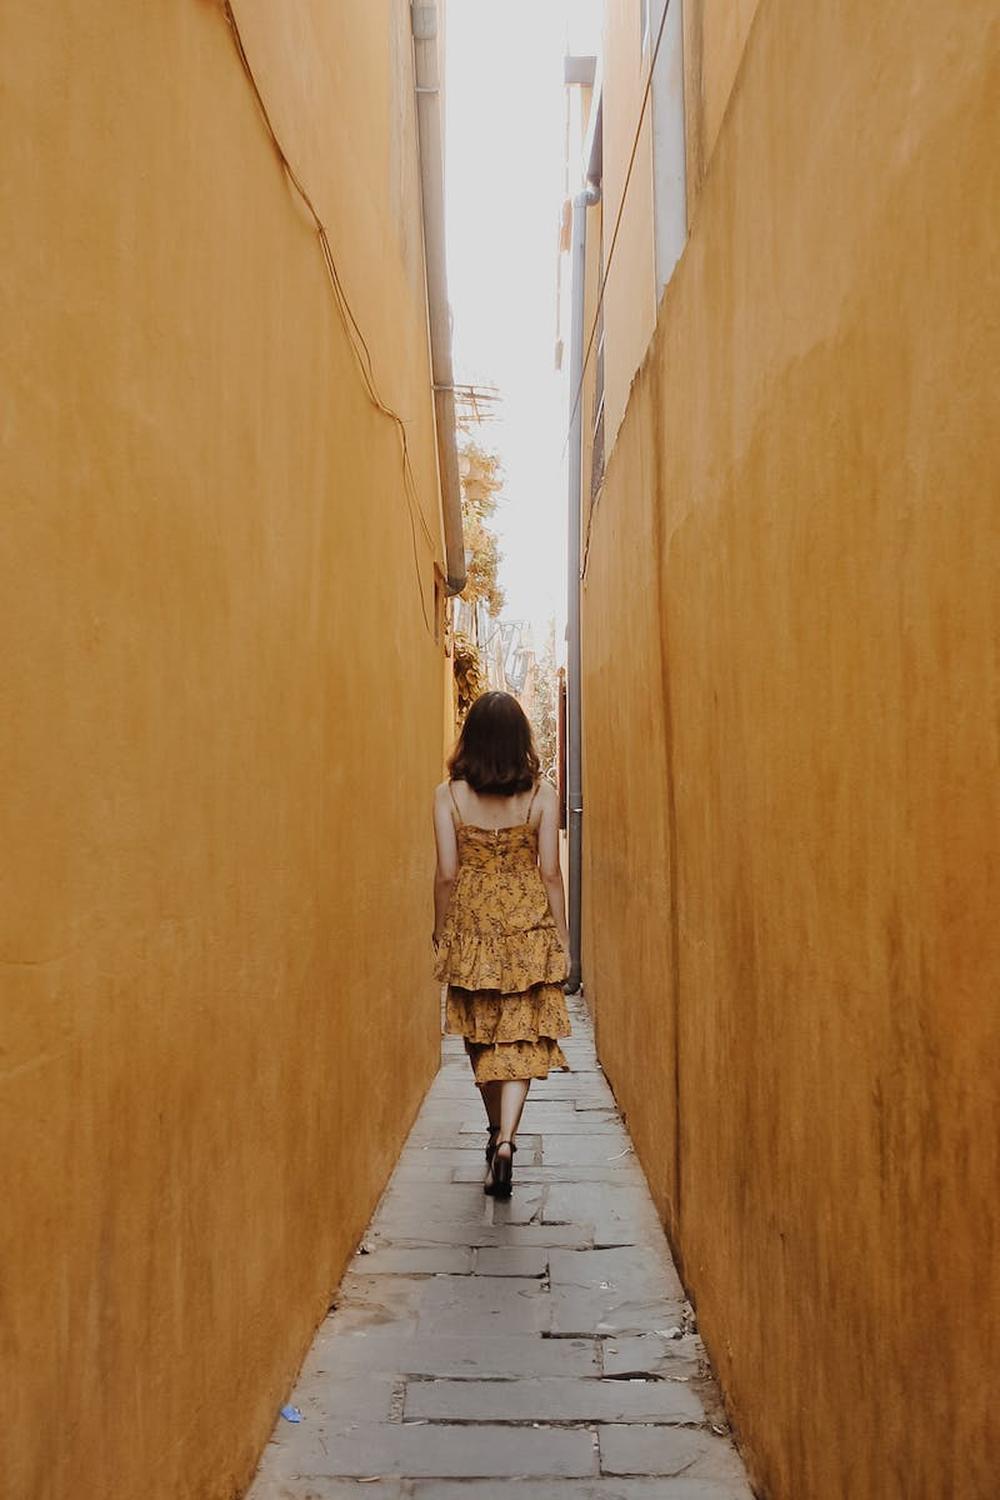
column 513, row 1092
column 491, row 1103
column 512, row 1096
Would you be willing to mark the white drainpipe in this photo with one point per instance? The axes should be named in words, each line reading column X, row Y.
column 574, row 723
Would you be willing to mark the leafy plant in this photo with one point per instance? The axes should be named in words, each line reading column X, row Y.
column 482, row 481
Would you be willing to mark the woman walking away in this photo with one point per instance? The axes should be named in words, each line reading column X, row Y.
column 500, row 917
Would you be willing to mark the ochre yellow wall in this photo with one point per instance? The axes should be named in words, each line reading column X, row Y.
column 792, row 777
column 222, row 719
column 715, row 38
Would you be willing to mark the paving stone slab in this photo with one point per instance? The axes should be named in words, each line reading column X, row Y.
column 426, row 1450
column 399, row 1291
column 330, row 1489
column 652, row 1354
column 573, row 1489
column 636, row 1271
column 382, row 1301
column 512, row 1260
column 500, row 1357
column 549, row 1176
column 554, row 1399
column 579, row 1083
column 451, row 1356
column 570, row 1236
column 450, row 1154
column 588, row 1149
column 596, row 1311
column 421, row 1171
column 499, row 1489
column 327, row 1394
column 546, row 1121
column 671, row 1451
column 470, row 1147
column 461, row 1152
column 604, row 1203
column 455, row 1203
column 442, row 1135
column 416, row 1231
column 523, row 1206
column 538, row 1100
column 425, row 1260
column 484, row 1305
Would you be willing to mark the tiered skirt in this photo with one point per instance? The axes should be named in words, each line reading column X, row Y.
column 505, row 998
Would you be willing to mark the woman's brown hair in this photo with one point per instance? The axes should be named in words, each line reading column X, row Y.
column 495, row 753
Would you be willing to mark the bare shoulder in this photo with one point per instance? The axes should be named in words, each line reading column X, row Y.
column 442, row 793
column 548, row 797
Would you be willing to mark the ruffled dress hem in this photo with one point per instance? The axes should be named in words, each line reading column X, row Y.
column 510, row 962
column 510, row 1035
column 505, row 1060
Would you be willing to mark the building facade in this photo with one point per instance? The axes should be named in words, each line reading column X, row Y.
column 790, row 644
column 222, row 605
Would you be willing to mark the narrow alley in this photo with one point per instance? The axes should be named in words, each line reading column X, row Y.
column 499, row 499
column 536, row 1348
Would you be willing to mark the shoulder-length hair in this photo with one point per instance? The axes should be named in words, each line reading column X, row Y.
column 495, row 752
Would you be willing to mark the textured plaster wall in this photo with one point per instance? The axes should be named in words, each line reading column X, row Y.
column 792, row 768
column 715, row 38
column 221, row 717
column 630, row 294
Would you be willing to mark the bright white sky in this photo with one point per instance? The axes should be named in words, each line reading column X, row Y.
column 505, row 181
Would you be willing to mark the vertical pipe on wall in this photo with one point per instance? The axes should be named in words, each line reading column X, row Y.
column 574, row 720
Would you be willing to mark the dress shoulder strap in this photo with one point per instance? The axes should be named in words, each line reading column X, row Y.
column 532, row 802
column 451, row 788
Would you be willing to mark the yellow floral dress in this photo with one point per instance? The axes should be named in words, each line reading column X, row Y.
column 501, row 958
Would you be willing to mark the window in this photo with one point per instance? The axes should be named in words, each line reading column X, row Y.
column 669, row 184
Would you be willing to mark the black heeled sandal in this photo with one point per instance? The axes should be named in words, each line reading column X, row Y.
column 503, row 1170
column 491, row 1147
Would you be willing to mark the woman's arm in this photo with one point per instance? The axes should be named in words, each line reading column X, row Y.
column 548, row 859
column 447, row 857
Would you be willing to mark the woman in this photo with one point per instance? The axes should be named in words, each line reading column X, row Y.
column 500, row 917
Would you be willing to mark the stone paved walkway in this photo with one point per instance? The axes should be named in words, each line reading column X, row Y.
column 538, row 1349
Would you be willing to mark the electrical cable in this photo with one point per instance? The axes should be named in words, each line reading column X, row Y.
column 356, row 338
